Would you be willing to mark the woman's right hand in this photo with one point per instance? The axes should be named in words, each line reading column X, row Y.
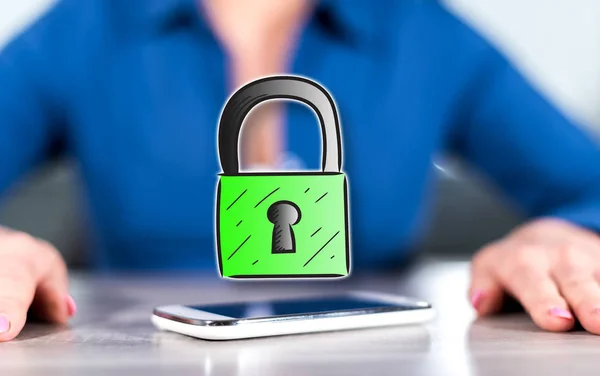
column 32, row 275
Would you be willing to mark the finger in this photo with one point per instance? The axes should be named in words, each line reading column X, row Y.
column 539, row 295
column 17, row 289
column 52, row 301
column 583, row 295
column 32, row 273
column 485, row 292
column 574, row 273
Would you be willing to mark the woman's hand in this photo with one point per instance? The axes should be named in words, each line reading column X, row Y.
column 550, row 266
column 32, row 274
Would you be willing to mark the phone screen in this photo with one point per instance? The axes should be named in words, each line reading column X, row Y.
column 300, row 306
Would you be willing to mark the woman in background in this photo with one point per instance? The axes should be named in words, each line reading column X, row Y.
column 133, row 90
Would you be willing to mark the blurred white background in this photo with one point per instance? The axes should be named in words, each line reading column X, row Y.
column 555, row 42
column 14, row 14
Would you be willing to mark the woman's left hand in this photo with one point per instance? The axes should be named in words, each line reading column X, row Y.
column 550, row 266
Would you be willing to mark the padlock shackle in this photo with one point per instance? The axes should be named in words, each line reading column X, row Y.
column 279, row 87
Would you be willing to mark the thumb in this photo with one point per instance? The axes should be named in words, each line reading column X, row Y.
column 485, row 292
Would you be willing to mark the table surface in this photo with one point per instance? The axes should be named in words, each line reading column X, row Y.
column 112, row 333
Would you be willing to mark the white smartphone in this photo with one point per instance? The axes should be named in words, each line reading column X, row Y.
column 354, row 310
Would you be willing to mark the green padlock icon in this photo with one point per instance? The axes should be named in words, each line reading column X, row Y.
column 282, row 224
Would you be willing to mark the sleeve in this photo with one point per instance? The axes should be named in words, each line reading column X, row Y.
column 30, row 107
column 548, row 165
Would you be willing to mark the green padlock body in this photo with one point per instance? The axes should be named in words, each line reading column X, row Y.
column 244, row 233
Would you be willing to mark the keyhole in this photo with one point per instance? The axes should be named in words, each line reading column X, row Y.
column 283, row 215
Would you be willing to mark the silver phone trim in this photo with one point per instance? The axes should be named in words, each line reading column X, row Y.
column 418, row 305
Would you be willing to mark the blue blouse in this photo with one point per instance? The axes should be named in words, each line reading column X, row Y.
column 133, row 90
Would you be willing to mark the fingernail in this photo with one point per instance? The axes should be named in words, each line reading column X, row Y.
column 71, row 306
column 4, row 324
column 561, row 312
column 476, row 298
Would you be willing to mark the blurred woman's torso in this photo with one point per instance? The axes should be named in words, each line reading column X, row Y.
column 145, row 91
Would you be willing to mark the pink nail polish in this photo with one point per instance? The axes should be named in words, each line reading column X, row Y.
column 476, row 298
column 4, row 324
column 71, row 306
column 561, row 312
